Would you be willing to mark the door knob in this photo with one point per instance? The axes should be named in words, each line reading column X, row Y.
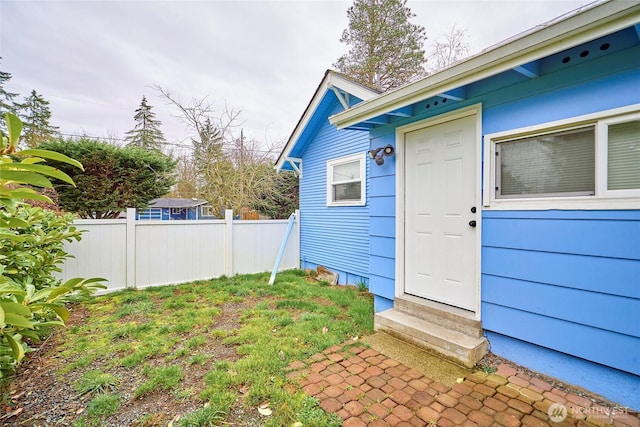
column 473, row 209
column 472, row 223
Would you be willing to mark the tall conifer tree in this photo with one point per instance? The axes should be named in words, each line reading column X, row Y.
column 36, row 114
column 7, row 102
column 146, row 134
column 386, row 50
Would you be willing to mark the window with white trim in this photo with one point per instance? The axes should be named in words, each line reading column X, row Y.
column 346, row 181
column 208, row 211
column 590, row 159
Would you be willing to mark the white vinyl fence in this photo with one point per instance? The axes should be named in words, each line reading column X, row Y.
column 138, row 254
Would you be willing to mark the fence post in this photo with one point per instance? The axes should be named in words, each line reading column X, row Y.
column 131, row 248
column 228, row 242
column 297, row 233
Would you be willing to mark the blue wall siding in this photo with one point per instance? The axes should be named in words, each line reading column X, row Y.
column 382, row 229
column 564, row 282
column 572, row 274
column 335, row 237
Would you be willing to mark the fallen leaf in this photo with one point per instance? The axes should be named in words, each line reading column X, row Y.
column 18, row 395
column 356, row 338
column 297, row 424
column 12, row 414
column 325, row 330
column 460, row 380
column 264, row 405
column 265, row 412
column 232, row 372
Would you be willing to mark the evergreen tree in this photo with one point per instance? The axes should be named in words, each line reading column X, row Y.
column 35, row 115
column 386, row 50
column 146, row 134
column 114, row 178
column 7, row 103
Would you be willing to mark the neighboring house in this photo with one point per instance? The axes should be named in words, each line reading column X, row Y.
column 510, row 209
column 173, row 209
column 334, row 219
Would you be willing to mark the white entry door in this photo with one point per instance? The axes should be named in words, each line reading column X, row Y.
column 440, row 196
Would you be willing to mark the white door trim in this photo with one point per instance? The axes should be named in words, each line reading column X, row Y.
column 473, row 110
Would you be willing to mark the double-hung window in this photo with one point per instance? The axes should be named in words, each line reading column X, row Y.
column 346, row 181
column 578, row 163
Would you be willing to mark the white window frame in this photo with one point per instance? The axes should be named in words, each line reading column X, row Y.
column 208, row 211
column 360, row 157
column 602, row 199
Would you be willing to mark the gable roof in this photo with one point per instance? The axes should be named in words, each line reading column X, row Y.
column 518, row 53
column 176, row 203
column 333, row 85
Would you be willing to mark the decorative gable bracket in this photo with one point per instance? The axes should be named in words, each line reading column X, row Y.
column 296, row 164
column 343, row 97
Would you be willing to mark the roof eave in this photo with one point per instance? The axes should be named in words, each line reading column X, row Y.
column 586, row 25
column 330, row 79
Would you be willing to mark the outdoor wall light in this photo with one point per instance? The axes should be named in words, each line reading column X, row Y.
column 379, row 153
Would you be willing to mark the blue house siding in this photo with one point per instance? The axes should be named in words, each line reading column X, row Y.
column 337, row 236
column 567, row 281
column 382, row 230
column 560, row 290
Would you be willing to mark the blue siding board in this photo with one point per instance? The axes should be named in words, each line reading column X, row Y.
column 631, row 215
column 382, row 266
column 381, row 303
column 383, row 246
column 384, row 185
column 616, row 239
column 381, row 286
column 594, row 274
column 383, row 205
column 608, row 312
column 594, row 344
column 383, row 226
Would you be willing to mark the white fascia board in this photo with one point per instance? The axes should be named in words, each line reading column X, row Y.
column 329, row 81
column 598, row 21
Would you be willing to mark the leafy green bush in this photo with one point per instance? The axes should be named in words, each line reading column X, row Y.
column 113, row 178
column 32, row 299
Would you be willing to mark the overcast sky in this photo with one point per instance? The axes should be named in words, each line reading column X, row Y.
column 93, row 60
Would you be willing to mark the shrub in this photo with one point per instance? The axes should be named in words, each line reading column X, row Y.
column 32, row 299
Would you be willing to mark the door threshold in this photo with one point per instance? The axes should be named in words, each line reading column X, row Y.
column 461, row 312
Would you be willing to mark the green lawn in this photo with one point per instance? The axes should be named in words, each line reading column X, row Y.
column 211, row 349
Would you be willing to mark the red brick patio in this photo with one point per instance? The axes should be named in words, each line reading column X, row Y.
column 367, row 388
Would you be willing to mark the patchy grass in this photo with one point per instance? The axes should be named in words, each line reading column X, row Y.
column 201, row 354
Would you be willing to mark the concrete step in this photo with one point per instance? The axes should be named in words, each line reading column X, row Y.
column 452, row 344
column 452, row 318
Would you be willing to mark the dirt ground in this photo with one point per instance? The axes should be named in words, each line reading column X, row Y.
column 39, row 396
